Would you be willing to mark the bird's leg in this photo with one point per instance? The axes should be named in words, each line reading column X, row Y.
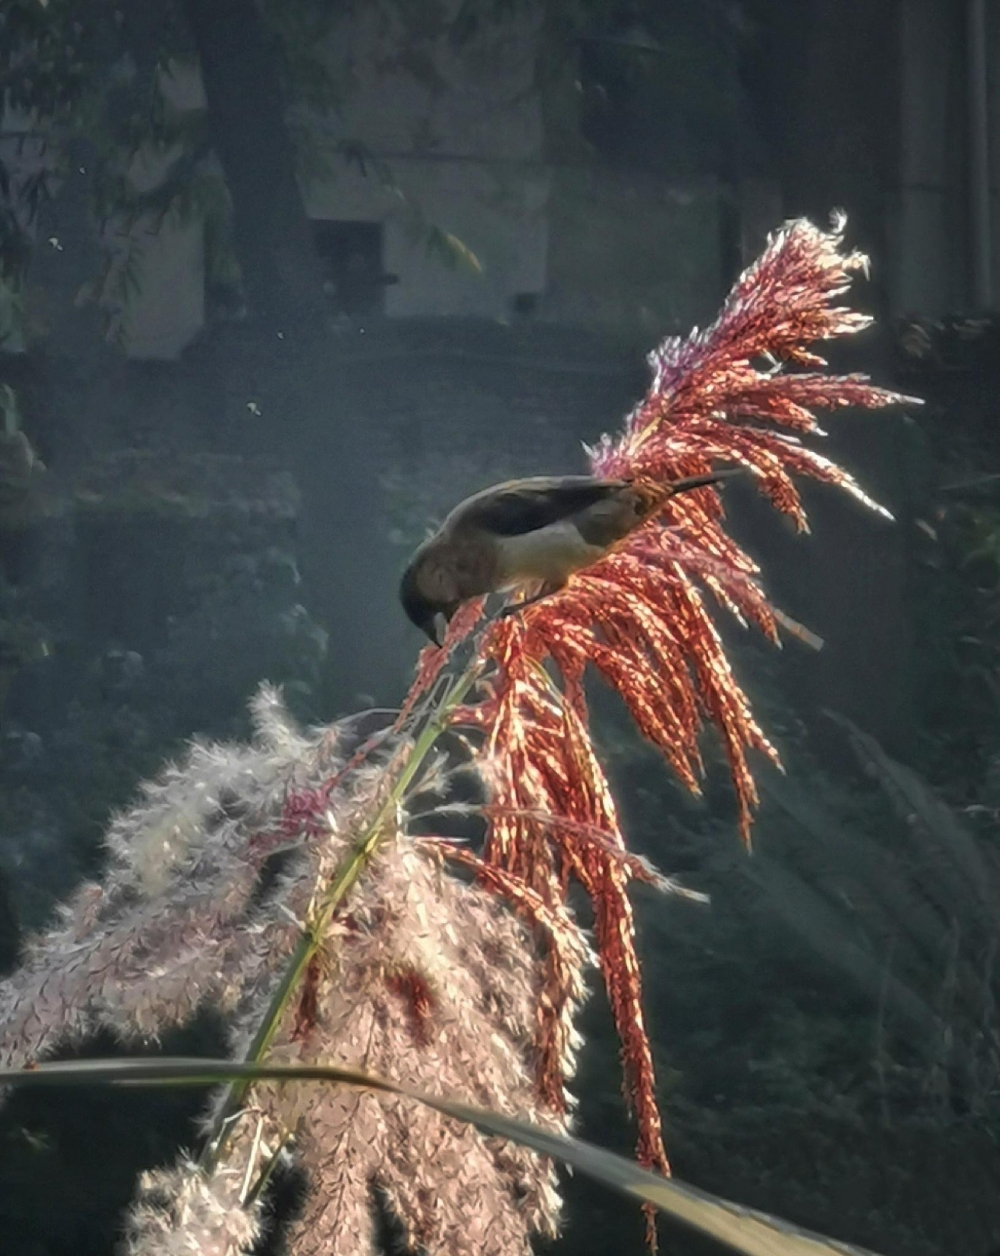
column 547, row 589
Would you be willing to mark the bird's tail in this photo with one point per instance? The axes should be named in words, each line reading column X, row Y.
column 655, row 494
column 701, row 481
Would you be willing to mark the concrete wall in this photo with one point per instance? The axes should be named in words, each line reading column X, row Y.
column 930, row 240
column 459, row 140
column 498, row 212
column 928, row 262
column 455, row 143
column 463, row 136
column 169, row 310
column 631, row 254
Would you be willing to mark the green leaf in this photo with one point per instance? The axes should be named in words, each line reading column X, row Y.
column 741, row 1229
column 451, row 250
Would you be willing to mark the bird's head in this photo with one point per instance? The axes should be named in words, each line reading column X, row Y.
column 430, row 614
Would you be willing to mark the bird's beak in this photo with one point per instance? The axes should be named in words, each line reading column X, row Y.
column 438, row 629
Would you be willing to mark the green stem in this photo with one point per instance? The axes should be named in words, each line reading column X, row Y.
column 346, row 876
column 266, row 1172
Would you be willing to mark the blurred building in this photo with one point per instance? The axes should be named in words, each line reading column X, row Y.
column 450, row 183
column 620, row 192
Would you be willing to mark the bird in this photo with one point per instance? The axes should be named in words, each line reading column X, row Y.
column 530, row 532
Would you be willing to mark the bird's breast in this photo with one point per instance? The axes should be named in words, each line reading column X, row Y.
column 551, row 554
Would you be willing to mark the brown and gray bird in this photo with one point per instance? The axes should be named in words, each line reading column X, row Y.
column 533, row 532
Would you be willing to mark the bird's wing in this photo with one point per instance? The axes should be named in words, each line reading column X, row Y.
column 521, row 506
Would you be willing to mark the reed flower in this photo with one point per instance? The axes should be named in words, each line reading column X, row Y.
column 743, row 391
column 213, row 876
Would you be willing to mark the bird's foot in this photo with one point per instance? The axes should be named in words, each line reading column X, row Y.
column 515, row 608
